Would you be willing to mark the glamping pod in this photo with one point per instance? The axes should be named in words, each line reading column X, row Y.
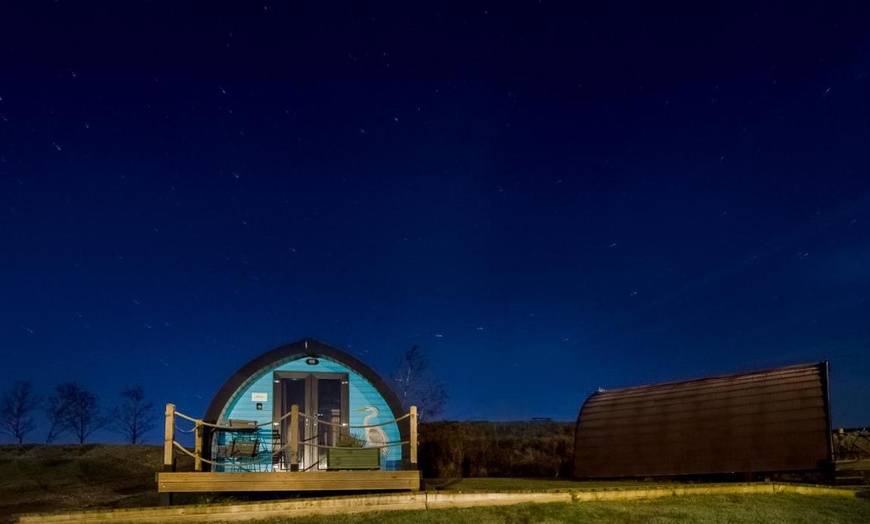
column 767, row 421
column 301, row 417
column 342, row 403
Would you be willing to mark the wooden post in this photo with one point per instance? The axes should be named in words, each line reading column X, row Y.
column 413, row 423
column 294, row 438
column 197, row 447
column 168, row 457
column 168, row 438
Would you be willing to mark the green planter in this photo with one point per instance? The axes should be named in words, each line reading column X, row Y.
column 355, row 458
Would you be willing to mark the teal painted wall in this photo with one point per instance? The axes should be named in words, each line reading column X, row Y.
column 361, row 393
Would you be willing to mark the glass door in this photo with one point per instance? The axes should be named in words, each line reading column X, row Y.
column 323, row 397
column 330, row 409
column 291, row 390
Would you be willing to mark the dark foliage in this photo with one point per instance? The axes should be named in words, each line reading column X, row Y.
column 16, row 411
column 496, row 449
column 852, row 444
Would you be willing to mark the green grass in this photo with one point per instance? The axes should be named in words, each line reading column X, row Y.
column 525, row 484
column 711, row 509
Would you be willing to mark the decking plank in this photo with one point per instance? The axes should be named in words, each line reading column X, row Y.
column 185, row 482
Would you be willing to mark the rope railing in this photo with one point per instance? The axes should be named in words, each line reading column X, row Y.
column 333, row 424
column 186, row 451
column 191, row 430
column 379, row 446
column 293, row 442
column 236, row 463
column 222, row 427
column 275, row 453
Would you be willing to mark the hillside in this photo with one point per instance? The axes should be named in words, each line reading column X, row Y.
column 35, row 478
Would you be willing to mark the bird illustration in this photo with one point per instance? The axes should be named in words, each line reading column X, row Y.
column 375, row 437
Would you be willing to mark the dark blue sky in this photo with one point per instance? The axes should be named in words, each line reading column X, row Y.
column 546, row 198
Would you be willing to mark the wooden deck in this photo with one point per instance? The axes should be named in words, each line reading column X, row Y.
column 168, row 482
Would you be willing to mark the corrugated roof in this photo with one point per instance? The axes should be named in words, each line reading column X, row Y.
column 773, row 420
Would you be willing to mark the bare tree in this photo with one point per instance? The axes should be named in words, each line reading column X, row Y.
column 16, row 411
column 135, row 416
column 415, row 385
column 55, row 411
column 74, row 408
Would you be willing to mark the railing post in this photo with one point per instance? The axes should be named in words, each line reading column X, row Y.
column 168, row 457
column 294, row 438
column 168, row 438
column 197, row 447
column 413, row 443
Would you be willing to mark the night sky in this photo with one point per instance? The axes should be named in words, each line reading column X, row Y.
column 547, row 198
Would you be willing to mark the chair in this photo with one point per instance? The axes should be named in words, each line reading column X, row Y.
column 244, row 448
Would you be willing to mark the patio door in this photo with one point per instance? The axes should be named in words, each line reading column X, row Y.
column 323, row 397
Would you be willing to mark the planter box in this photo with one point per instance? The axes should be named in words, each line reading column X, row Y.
column 356, row 458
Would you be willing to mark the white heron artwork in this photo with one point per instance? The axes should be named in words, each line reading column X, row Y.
column 375, row 436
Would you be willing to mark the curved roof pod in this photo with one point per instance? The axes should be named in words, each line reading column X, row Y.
column 307, row 347
column 254, row 381
column 773, row 420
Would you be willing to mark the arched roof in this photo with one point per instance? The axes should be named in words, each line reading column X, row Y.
column 307, row 347
column 772, row 420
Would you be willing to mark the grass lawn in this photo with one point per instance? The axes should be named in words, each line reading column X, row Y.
column 701, row 508
column 525, row 484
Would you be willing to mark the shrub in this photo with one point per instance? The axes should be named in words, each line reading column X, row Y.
column 496, row 449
